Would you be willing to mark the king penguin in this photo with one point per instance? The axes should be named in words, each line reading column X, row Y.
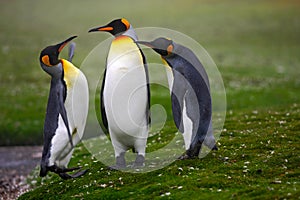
column 190, row 95
column 66, row 110
column 125, row 94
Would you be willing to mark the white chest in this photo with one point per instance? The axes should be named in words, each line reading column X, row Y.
column 125, row 92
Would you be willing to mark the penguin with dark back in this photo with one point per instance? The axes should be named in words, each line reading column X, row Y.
column 190, row 95
column 66, row 111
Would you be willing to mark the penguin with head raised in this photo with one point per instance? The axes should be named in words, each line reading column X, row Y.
column 125, row 94
column 66, row 111
column 190, row 95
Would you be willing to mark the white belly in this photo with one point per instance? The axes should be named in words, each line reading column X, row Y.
column 187, row 122
column 169, row 76
column 60, row 144
column 125, row 95
column 188, row 127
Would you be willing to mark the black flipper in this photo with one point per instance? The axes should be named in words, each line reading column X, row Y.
column 177, row 97
column 177, row 112
column 63, row 113
column 148, row 114
column 102, row 107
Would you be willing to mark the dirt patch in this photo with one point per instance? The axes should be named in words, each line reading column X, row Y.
column 15, row 165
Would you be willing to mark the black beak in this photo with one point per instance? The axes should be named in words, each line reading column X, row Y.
column 64, row 43
column 148, row 44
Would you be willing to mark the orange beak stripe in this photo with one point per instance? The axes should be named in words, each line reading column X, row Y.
column 62, row 46
column 106, row 28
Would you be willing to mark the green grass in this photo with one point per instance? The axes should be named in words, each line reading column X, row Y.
column 257, row 159
column 256, row 47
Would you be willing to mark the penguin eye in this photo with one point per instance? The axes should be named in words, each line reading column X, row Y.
column 170, row 49
column 46, row 60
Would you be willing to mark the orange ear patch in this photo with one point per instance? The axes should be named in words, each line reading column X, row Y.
column 126, row 23
column 170, row 49
column 46, row 61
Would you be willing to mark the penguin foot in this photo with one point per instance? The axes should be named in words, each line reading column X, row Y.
column 185, row 156
column 70, row 169
column 120, row 163
column 116, row 167
column 139, row 161
column 215, row 148
column 62, row 171
column 58, row 170
column 66, row 176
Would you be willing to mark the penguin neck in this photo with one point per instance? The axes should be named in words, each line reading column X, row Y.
column 56, row 71
column 131, row 33
column 57, row 74
column 58, row 84
column 57, row 80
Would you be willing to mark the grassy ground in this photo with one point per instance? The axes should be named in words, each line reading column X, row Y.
column 257, row 159
column 255, row 45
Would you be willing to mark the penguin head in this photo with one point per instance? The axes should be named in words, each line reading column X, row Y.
column 115, row 27
column 49, row 57
column 162, row 46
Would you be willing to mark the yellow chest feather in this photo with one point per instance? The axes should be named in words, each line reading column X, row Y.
column 70, row 73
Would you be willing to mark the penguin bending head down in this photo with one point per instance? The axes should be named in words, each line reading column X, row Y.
column 190, row 95
column 66, row 111
column 125, row 94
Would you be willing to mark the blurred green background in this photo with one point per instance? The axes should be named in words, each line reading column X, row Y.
column 255, row 44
